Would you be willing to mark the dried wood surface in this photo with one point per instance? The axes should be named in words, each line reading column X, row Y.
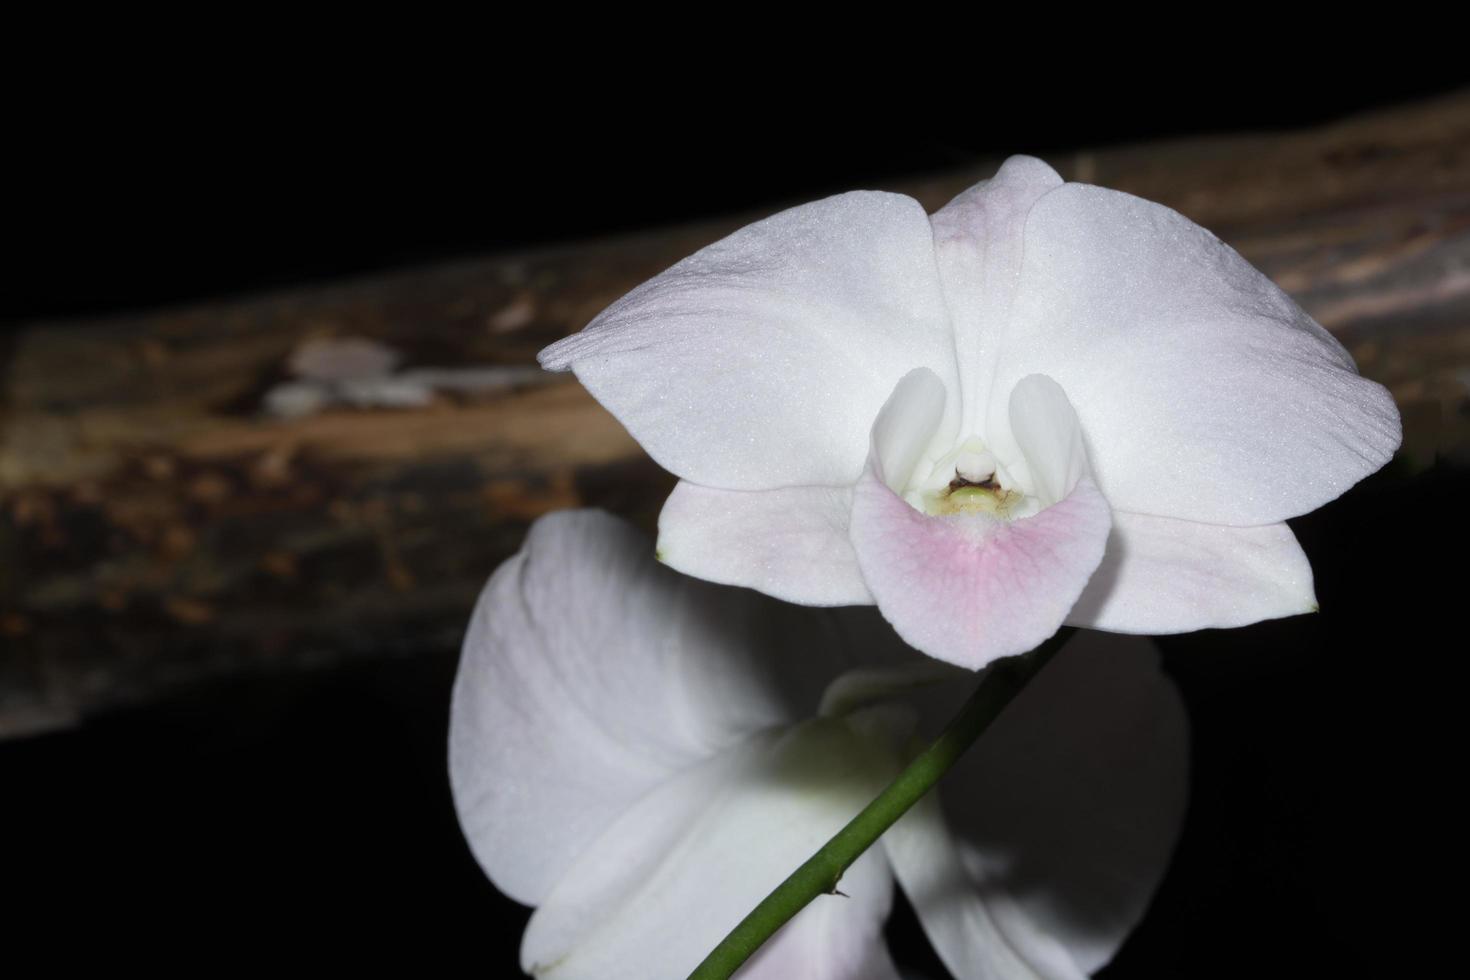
column 174, row 506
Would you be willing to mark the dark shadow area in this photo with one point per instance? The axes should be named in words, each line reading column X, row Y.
column 1320, row 749
column 144, row 204
column 302, row 818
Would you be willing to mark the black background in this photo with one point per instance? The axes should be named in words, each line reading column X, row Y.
column 158, row 189
column 304, row 821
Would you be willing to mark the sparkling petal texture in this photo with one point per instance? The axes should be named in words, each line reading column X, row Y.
column 760, row 361
column 1161, row 575
column 792, row 543
column 979, row 240
column 1204, row 392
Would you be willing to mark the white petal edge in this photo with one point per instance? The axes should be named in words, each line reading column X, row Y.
column 760, row 361
column 1204, row 392
column 792, row 543
column 589, row 674
column 1072, row 802
column 1160, row 575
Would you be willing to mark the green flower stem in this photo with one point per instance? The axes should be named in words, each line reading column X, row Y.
column 824, row 869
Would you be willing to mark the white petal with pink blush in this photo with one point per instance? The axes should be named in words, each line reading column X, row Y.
column 1046, row 402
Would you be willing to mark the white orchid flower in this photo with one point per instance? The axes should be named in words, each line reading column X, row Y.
column 643, row 756
column 1047, row 402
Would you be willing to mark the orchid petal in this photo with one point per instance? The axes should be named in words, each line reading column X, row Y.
column 1161, row 575
column 1045, row 430
column 790, row 332
column 978, row 241
column 1072, row 801
column 908, row 423
column 790, row 543
column 969, row 588
column 1204, row 392
column 978, row 930
column 590, row 673
column 716, row 838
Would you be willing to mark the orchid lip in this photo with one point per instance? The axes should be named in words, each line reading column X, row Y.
column 969, row 572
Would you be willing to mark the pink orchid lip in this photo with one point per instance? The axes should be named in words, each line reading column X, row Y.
column 997, row 573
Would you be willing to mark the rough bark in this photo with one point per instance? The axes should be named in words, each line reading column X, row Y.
column 159, row 525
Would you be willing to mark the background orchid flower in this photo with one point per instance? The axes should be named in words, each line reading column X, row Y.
column 643, row 756
column 1046, row 402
